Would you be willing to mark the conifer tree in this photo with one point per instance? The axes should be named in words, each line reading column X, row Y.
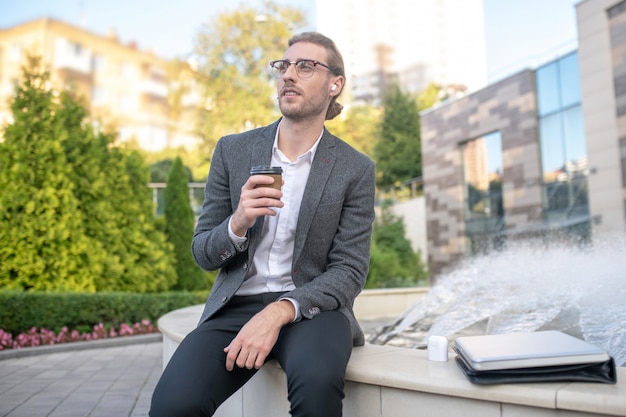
column 398, row 152
column 44, row 246
column 179, row 227
column 106, row 216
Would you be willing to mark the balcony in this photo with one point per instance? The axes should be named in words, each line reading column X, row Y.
column 72, row 57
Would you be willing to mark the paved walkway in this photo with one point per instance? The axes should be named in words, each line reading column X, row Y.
column 102, row 380
column 105, row 378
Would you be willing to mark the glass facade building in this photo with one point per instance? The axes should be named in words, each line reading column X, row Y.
column 562, row 157
column 508, row 163
column 561, row 128
column 564, row 164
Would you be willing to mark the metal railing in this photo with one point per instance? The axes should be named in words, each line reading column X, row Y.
column 196, row 196
column 403, row 191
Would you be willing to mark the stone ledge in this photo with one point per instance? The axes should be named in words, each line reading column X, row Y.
column 409, row 369
column 384, row 381
column 386, row 302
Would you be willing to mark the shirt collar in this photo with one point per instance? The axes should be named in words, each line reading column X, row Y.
column 308, row 154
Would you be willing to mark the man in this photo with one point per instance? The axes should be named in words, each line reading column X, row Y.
column 291, row 261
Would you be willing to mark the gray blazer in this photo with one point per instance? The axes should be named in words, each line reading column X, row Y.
column 332, row 242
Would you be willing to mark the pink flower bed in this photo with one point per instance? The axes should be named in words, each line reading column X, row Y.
column 44, row 336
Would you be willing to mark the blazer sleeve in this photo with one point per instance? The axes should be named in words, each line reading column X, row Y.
column 211, row 246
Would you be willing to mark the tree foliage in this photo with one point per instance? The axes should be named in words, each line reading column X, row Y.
column 359, row 127
column 432, row 95
column 179, row 225
column 159, row 171
column 393, row 262
column 75, row 208
column 232, row 54
column 43, row 245
column 398, row 152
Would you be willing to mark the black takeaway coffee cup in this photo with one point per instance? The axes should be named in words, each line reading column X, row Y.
column 274, row 172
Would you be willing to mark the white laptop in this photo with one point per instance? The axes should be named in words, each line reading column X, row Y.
column 526, row 350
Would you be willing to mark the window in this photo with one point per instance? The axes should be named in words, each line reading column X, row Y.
column 574, row 138
column 562, row 142
column 76, row 48
column 569, row 80
column 15, row 53
column 97, row 63
column 482, row 171
column 548, row 89
column 561, row 128
column 552, row 146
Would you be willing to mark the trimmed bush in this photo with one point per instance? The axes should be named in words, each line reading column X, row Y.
column 21, row 311
column 393, row 262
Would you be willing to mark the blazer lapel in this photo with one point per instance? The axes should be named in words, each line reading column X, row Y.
column 321, row 169
column 261, row 155
column 262, row 147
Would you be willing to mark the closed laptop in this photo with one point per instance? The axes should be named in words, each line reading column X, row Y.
column 526, row 350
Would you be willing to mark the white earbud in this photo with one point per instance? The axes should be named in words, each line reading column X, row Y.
column 333, row 88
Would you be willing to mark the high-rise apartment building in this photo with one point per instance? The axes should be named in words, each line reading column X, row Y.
column 126, row 89
column 412, row 43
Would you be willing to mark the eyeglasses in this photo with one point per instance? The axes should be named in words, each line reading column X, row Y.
column 304, row 67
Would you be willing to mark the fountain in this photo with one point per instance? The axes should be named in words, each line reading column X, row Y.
column 527, row 287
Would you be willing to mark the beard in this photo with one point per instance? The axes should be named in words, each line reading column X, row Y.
column 308, row 108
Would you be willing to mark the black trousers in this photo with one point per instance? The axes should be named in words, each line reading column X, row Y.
column 313, row 354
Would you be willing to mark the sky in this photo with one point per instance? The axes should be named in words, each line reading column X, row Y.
column 519, row 34
column 523, row 34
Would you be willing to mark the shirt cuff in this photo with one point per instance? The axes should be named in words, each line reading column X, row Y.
column 296, row 306
column 238, row 241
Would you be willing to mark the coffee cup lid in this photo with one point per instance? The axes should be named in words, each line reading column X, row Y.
column 265, row 169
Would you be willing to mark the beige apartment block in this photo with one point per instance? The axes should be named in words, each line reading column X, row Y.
column 125, row 89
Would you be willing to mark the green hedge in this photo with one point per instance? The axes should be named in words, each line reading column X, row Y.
column 20, row 311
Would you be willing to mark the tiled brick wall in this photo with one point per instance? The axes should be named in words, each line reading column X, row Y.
column 509, row 107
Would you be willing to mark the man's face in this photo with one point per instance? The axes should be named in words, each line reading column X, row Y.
column 300, row 98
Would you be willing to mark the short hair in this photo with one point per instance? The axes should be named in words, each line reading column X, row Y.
column 335, row 62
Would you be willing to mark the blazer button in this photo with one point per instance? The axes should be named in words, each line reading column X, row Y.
column 245, row 266
column 224, row 299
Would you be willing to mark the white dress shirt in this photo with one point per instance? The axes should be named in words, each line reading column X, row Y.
column 271, row 267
